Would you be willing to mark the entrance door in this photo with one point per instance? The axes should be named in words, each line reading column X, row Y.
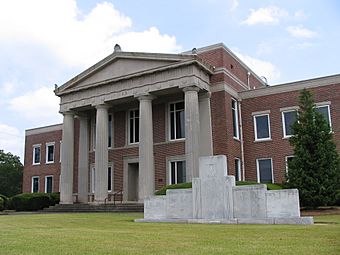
column 132, row 182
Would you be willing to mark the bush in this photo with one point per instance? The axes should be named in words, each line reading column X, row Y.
column 2, row 206
column 162, row 191
column 188, row 185
column 55, row 198
column 32, row 201
column 3, row 202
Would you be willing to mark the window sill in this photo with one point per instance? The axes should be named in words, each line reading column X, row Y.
column 263, row 140
column 236, row 139
column 176, row 140
column 36, row 164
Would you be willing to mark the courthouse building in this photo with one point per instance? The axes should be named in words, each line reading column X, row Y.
column 135, row 122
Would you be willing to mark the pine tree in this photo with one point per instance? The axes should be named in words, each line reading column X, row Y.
column 315, row 169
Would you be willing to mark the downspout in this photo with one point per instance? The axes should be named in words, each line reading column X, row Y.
column 248, row 80
column 242, row 142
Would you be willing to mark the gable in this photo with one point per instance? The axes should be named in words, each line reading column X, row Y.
column 120, row 67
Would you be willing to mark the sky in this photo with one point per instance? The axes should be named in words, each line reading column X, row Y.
column 47, row 42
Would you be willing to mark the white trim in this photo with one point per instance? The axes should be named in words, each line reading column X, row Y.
column 237, row 118
column 46, row 183
column 46, row 152
column 258, row 169
column 32, row 183
column 39, row 130
column 60, row 150
column 134, row 125
column 169, row 121
column 93, row 180
column 260, row 112
column 255, row 128
column 33, row 158
column 176, row 170
column 292, row 86
column 284, row 123
column 286, row 161
column 290, row 108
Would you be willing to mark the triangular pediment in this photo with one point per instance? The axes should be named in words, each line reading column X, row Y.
column 118, row 66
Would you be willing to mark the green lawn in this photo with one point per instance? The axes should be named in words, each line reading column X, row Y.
column 107, row 233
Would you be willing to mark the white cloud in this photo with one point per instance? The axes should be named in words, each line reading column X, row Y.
column 299, row 15
column 78, row 40
column 260, row 67
column 266, row 15
column 11, row 140
column 40, row 106
column 7, row 88
column 301, row 32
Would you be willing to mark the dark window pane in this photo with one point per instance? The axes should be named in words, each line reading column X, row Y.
column 137, row 113
column 181, row 173
column 109, row 178
column 289, row 119
column 235, row 124
column 172, row 126
column 172, row 107
column 35, row 184
column 237, row 167
column 37, row 155
column 324, row 112
column 178, row 125
column 110, row 131
column 173, row 173
column 50, row 153
column 136, row 130
column 265, row 170
column 179, row 106
column 131, row 131
column 181, row 133
column 49, row 184
column 262, row 127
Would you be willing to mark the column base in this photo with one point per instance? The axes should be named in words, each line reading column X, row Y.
column 65, row 203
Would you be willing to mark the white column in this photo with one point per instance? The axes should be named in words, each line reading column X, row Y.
column 146, row 178
column 192, row 131
column 206, row 144
column 83, row 160
column 66, row 182
column 101, row 153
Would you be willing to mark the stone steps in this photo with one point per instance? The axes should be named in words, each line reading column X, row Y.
column 125, row 207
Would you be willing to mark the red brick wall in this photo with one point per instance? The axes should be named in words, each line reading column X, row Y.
column 43, row 169
column 221, row 58
column 278, row 148
column 222, row 129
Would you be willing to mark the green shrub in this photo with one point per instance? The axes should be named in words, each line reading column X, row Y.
column 2, row 206
column 162, row 191
column 30, row 201
column 4, row 202
column 54, row 198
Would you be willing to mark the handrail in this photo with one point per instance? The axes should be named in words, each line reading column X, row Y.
column 119, row 192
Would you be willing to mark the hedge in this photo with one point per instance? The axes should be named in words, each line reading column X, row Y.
column 33, row 201
column 188, row 185
column 3, row 202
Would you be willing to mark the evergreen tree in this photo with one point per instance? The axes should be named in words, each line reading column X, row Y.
column 315, row 169
column 10, row 174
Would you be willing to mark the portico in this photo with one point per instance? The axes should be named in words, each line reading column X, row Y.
column 99, row 90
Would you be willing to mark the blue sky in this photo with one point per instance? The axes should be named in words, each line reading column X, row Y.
column 47, row 42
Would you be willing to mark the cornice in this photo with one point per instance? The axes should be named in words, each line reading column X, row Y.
column 39, row 130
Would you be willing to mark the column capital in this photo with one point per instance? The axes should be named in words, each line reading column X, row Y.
column 102, row 106
column 146, row 97
column 191, row 88
column 69, row 112
column 204, row 95
column 82, row 116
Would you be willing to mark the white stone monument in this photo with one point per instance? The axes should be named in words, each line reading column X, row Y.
column 214, row 198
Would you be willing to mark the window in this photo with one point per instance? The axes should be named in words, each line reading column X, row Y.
column 48, row 184
column 325, row 112
column 49, row 153
column 264, row 170
column 133, row 126
column 177, row 173
column 262, row 127
column 36, row 154
column 237, row 169
column 234, row 109
column 177, row 128
column 35, row 184
column 288, row 159
column 288, row 119
column 109, row 179
column 110, row 131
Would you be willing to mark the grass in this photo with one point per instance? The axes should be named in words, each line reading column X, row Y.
column 109, row 233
